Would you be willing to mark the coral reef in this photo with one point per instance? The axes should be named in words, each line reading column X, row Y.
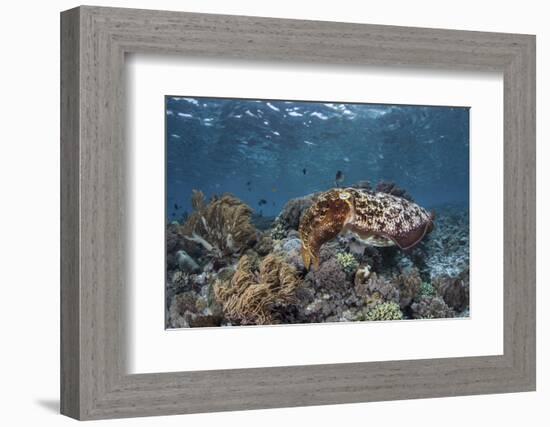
column 185, row 262
column 408, row 283
column 384, row 311
column 392, row 188
column 174, row 243
column 189, row 310
column 328, row 292
column 293, row 211
column 226, row 266
column 347, row 261
column 264, row 245
column 290, row 249
column 222, row 227
column 252, row 298
column 278, row 231
column 261, row 222
column 331, row 276
column 455, row 291
column 431, row 308
column 447, row 248
column 364, row 185
column 426, row 290
column 375, row 289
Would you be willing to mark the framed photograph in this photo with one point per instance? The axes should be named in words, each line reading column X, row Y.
column 271, row 218
column 262, row 213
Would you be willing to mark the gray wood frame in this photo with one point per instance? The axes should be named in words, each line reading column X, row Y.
column 94, row 41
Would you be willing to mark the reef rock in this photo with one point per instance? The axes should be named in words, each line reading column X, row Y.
column 454, row 290
column 374, row 289
column 189, row 310
column 186, row 263
column 431, row 308
column 294, row 210
column 392, row 188
column 264, row 245
column 409, row 283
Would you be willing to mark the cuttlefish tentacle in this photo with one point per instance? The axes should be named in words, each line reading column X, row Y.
column 323, row 221
column 377, row 219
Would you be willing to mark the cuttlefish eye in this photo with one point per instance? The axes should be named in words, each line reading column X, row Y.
column 344, row 195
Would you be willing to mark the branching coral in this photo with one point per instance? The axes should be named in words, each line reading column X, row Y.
column 278, row 231
column 347, row 261
column 426, row 290
column 385, row 311
column 222, row 227
column 251, row 297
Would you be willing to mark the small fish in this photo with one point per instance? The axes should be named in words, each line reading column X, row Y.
column 274, row 189
column 176, row 207
column 304, row 171
column 262, row 202
column 339, row 179
column 248, row 183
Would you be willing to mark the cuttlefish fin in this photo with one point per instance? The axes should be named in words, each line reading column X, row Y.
column 412, row 238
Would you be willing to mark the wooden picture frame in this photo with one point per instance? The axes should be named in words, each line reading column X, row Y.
column 94, row 41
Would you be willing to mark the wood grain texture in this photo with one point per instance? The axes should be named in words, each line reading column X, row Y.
column 70, row 292
column 94, row 382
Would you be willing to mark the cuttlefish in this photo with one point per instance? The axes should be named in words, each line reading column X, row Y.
column 375, row 219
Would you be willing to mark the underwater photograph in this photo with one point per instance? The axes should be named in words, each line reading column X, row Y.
column 291, row 212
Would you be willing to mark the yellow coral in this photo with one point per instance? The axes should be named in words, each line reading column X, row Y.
column 222, row 227
column 385, row 311
column 250, row 297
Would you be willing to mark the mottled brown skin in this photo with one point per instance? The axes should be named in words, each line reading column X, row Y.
column 322, row 222
column 378, row 219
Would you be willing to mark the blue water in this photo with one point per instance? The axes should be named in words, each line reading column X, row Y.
column 267, row 152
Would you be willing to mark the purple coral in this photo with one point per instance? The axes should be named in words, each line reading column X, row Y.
column 429, row 307
column 455, row 291
column 408, row 283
